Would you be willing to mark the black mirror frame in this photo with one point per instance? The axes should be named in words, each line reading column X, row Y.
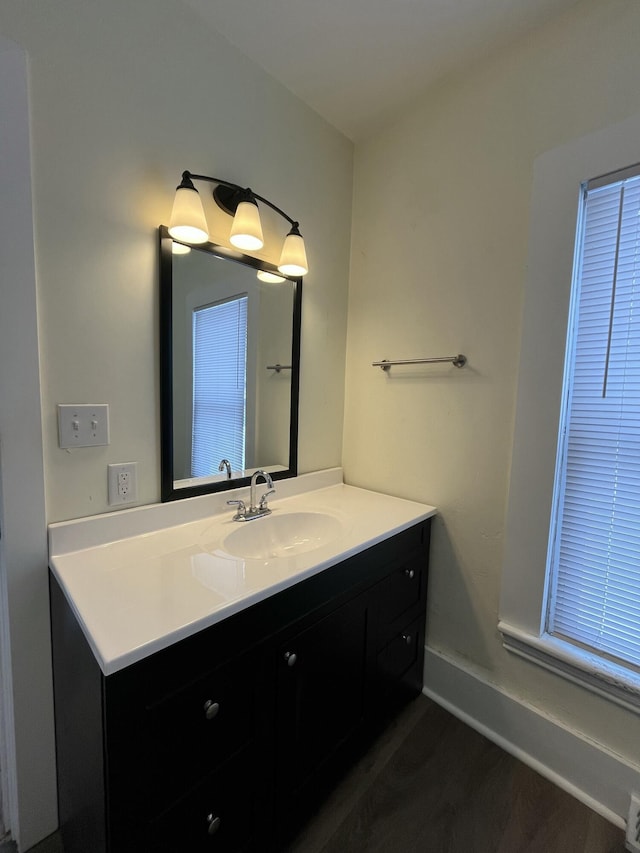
column 167, row 490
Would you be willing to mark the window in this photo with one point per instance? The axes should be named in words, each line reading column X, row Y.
column 539, row 609
column 594, row 591
column 219, row 386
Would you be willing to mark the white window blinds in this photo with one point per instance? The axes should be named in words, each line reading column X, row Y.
column 594, row 596
column 219, row 386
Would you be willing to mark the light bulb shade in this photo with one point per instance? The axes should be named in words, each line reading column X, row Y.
column 293, row 260
column 188, row 221
column 246, row 231
column 270, row 277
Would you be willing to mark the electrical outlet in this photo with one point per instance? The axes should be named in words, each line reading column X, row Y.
column 123, row 483
column 633, row 825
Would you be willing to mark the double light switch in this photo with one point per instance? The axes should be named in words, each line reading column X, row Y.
column 85, row 425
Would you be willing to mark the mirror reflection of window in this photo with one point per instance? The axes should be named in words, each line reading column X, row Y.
column 219, row 386
column 203, row 279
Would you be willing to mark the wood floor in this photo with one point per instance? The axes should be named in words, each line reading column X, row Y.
column 433, row 785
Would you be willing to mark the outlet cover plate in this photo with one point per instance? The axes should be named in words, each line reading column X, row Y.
column 122, row 478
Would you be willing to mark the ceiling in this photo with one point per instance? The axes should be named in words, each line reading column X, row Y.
column 356, row 61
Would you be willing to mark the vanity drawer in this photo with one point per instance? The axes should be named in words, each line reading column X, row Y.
column 403, row 655
column 398, row 593
column 218, row 816
column 197, row 728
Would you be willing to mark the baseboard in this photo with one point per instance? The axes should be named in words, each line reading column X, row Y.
column 598, row 778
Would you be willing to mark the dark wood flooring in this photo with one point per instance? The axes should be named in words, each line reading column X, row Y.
column 431, row 784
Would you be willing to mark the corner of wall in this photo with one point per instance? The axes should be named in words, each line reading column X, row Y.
column 586, row 770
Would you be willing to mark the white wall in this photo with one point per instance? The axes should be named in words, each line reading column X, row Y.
column 123, row 97
column 440, row 240
column 26, row 701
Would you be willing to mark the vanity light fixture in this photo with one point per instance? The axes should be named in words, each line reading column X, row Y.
column 188, row 222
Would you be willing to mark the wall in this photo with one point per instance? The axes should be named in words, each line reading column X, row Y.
column 274, row 389
column 26, row 701
column 123, row 97
column 439, row 254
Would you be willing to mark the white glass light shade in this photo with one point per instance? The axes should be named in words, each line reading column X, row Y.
column 246, row 231
column 293, row 260
column 269, row 277
column 188, row 221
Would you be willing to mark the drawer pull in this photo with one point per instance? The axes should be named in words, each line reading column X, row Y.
column 290, row 658
column 211, row 709
column 407, row 639
column 410, row 573
column 213, row 824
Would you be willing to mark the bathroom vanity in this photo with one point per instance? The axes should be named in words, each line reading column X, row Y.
column 216, row 719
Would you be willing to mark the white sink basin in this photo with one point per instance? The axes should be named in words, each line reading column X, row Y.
column 282, row 535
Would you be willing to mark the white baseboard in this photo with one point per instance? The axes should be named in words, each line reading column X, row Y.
column 598, row 778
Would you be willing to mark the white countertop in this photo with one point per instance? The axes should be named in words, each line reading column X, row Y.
column 136, row 595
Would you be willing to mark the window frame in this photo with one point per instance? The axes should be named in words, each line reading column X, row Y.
column 602, row 288
column 558, row 177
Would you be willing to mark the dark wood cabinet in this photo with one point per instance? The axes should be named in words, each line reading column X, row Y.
column 227, row 740
column 217, row 815
column 321, row 683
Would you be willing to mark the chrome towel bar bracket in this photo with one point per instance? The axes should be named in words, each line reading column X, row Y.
column 278, row 367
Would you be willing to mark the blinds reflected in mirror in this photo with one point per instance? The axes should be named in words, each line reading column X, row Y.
column 219, row 386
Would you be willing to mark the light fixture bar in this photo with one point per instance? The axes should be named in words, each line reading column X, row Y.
column 192, row 176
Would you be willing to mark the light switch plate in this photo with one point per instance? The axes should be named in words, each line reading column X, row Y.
column 83, row 425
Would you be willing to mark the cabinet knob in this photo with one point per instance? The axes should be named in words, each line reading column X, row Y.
column 290, row 658
column 211, row 709
column 213, row 823
column 407, row 639
column 410, row 573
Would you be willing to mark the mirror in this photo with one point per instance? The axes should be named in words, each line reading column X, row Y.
column 229, row 369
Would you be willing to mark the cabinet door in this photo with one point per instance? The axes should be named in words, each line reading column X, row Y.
column 321, row 688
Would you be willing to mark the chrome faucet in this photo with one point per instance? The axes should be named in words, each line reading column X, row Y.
column 225, row 465
column 245, row 513
column 262, row 508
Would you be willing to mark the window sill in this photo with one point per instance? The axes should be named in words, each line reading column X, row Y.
column 603, row 677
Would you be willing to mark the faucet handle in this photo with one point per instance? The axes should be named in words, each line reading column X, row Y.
column 263, row 499
column 242, row 509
